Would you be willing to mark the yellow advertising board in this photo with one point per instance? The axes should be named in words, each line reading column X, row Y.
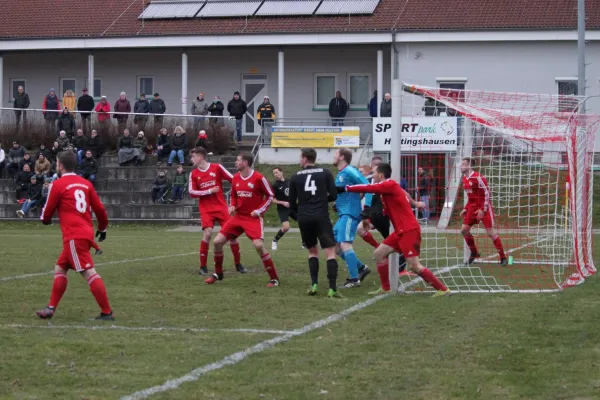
column 317, row 137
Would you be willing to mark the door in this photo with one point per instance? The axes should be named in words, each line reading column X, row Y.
column 254, row 89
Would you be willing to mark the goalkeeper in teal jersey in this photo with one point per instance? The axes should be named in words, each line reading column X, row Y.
column 349, row 209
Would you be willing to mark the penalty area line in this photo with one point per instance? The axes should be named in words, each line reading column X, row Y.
column 25, row 276
column 146, row 328
column 242, row 355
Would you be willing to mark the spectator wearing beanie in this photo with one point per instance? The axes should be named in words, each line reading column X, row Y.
column 141, row 106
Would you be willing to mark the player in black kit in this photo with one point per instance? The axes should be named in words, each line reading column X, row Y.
column 282, row 199
column 311, row 191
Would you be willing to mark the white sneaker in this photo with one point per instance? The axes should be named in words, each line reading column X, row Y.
column 20, row 213
column 274, row 246
column 210, row 154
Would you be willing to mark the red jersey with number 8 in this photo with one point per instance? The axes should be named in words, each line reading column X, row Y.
column 75, row 198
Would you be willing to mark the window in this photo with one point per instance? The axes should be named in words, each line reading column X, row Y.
column 567, row 87
column 14, row 86
column 324, row 90
column 145, row 85
column 359, row 90
column 66, row 84
column 97, row 87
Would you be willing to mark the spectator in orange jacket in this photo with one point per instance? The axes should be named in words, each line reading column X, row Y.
column 69, row 101
column 51, row 102
column 103, row 110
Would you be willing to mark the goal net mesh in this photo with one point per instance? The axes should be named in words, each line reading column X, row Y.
column 537, row 154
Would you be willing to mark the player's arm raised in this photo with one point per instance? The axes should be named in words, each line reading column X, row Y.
column 51, row 204
column 265, row 188
column 100, row 212
column 331, row 188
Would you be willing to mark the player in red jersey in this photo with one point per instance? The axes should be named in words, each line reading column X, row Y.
column 74, row 197
column 406, row 238
column 206, row 184
column 250, row 198
column 478, row 208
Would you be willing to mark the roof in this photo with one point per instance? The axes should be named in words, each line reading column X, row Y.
column 110, row 18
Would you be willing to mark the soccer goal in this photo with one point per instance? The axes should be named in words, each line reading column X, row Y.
column 536, row 153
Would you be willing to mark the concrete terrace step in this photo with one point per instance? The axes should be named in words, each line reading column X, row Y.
column 111, row 160
column 127, row 211
column 143, row 172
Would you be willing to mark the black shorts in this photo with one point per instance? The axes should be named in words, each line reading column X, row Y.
column 381, row 223
column 285, row 214
column 316, row 230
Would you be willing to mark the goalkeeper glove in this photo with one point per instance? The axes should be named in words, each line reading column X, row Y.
column 366, row 213
column 341, row 189
column 101, row 235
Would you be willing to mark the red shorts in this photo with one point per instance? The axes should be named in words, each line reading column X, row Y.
column 238, row 224
column 470, row 218
column 76, row 255
column 407, row 243
column 208, row 219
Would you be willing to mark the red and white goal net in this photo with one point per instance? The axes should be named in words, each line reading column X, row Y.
column 537, row 154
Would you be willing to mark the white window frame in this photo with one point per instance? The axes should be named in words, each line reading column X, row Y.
column 96, row 95
column 451, row 80
column 348, row 94
column 317, row 75
column 139, row 86
column 564, row 79
column 10, row 88
column 60, row 86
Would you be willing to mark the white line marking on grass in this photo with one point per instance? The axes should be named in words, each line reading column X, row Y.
column 241, row 355
column 146, row 328
column 11, row 278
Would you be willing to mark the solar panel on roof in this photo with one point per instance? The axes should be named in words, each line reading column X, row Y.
column 172, row 9
column 336, row 7
column 288, row 7
column 229, row 8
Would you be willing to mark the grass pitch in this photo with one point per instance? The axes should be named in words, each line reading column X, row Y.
column 480, row 346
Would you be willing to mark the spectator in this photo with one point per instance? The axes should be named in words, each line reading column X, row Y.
column 42, row 167
column 424, row 187
column 404, row 183
column 179, row 182
column 70, row 148
column 202, row 140
column 160, row 187
column 338, row 107
column 237, row 108
column 22, row 181
column 140, row 143
column 21, row 101
column 126, row 152
column 103, row 110
column 157, row 106
column 85, row 106
column 386, row 106
column 163, row 145
column 451, row 112
column 122, row 105
column 55, row 150
column 80, row 144
column 179, row 145
column 34, row 195
column 265, row 113
column 2, row 161
column 63, row 140
column 66, row 123
column 95, row 144
column 45, row 191
column 373, row 105
column 89, row 167
column 200, row 108
column 69, row 102
column 216, row 110
column 27, row 160
column 430, row 107
column 46, row 152
column 141, row 106
column 51, row 107
column 15, row 156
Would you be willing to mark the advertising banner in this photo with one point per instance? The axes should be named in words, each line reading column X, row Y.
column 419, row 134
column 317, row 137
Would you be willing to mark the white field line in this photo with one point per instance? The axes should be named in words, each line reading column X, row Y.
column 241, row 355
column 12, row 278
column 144, row 328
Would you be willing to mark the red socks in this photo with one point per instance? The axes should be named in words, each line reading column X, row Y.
column 235, row 249
column 471, row 243
column 99, row 291
column 219, row 262
column 384, row 275
column 430, row 278
column 203, row 253
column 498, row 245
column 58, row 289
column 368, row 237
column 269, row 266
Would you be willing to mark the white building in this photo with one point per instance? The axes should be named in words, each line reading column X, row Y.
column 299, row 52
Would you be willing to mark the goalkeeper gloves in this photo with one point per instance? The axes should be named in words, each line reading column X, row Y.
column 101, row 236
column 341, row 189
column 366, row 213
